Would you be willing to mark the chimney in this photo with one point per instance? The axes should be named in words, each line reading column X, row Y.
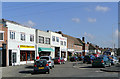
column 47, row 30
column 83, row 39
column 60, row 32
column 87, row 42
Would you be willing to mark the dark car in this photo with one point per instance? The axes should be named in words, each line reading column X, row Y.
column 41, row 66
column 74, row 58
column 58, row 60
column 80, row 58
column 88, row 59
column 102, row 61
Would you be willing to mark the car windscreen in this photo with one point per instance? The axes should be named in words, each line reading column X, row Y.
column 47, row 58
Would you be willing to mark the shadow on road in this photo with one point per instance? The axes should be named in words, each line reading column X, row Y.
column 31, row 72
column 90, row 67
column 29, row 67
column 26, row 72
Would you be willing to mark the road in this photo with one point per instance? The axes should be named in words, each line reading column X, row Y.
column 69, row 69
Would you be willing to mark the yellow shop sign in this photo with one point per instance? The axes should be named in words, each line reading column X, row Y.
column 24, row 46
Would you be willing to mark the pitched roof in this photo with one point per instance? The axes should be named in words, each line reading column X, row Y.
column 92, row 45
column 1, row 20
column 76, row 41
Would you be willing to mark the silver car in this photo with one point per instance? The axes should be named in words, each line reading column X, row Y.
column 49, row 60
column 114, row 61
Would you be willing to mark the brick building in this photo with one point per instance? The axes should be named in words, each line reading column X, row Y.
column 73, row 45
column 3, row 44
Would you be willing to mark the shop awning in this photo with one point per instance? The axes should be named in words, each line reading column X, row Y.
column 45, row 49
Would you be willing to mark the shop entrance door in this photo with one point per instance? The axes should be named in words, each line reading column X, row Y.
column 3, row 57
column 10, row 57
column 57, row 51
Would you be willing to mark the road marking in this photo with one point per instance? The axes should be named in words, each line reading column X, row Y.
column 98, row 71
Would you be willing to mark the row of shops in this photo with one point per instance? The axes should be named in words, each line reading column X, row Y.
column 24, row 44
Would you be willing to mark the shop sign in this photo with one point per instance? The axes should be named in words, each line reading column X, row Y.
column 25, row 46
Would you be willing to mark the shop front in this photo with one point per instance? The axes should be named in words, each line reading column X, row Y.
column 64, row 53
column 45, row 51
column 70, row 52
column 27, row 54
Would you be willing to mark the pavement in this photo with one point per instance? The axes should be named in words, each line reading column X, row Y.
column 115, row 68
column 69, row 69
column 0, row 72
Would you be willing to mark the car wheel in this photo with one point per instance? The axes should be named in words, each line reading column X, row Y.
column 48, row 71
column 53, row 66
column 83, row 61
column 50, row 67
column 109, row 64
column 104, row 66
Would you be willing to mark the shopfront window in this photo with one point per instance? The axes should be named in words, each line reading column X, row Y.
column 33, row 56
column 27, row 55
column 41, row 39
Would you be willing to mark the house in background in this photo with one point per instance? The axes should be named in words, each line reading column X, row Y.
column 74, row 47
column 43, row 44
column 85, row 46
column 92, row 48
column 21, row 43
column 3, row 43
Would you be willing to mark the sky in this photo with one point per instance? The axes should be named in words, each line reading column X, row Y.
column 96, row 21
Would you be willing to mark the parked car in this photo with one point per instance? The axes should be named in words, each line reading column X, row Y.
column 73, row 58
column 114, row 60
column 58, row 60
column 80, row 58
column 41, row 66
column 88, row 59
column 101, row 62
column 49, row 60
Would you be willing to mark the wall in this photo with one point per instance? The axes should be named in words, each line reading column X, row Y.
column 14, row 44
column 54, row 43
column 63, row 47
column 5, row 30
column 45, row 35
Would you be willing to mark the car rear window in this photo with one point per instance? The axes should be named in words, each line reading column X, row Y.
column 98, row 58
column 41, row 62
column 47, row 58
column 57, row 58
column 86, row 57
